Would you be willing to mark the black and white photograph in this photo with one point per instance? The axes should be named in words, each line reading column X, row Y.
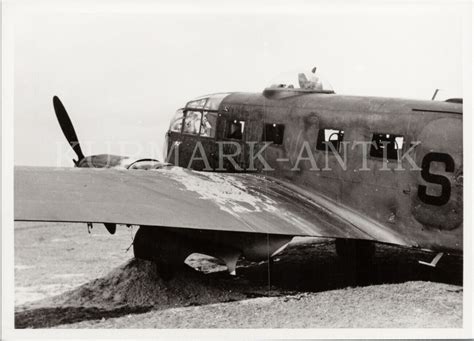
column 272, row 168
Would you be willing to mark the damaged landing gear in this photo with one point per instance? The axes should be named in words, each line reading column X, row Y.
column 161, row 248
column 356, row 257
column 168, row 248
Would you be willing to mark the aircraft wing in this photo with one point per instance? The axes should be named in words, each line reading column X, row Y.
column 181, row 198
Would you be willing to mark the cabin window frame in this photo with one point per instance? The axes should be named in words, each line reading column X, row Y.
column 321, row 142
column 379, row 157
column 228, row 122
column 281, row 134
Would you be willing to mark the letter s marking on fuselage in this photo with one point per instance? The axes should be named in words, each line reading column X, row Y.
column 443, row 198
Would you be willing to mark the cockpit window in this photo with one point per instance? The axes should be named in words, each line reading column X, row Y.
column 192, row 122
column 197, row 104
column 214, row 101
column 209, row 120
column 200, row 116
column 200, row 123
column 177, row 121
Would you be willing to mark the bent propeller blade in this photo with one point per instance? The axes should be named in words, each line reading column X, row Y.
column 67, row 128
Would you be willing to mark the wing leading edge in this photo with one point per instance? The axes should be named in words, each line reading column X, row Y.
column 180, row 198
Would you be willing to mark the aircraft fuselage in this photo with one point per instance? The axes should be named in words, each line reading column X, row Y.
column 397, row 162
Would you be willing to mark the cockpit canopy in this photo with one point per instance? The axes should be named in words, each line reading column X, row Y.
column 207, row 102
column 199, row 116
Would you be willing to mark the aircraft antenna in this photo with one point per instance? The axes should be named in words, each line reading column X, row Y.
column 434, row 95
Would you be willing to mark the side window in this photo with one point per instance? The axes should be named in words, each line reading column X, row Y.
column 209, row 120
column 235, row 129
column 177, row 121
column 330, row 136
column 192, row 122
column 273, row 132
column 386, row 143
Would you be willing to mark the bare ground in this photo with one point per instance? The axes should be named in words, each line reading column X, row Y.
column 66, row 278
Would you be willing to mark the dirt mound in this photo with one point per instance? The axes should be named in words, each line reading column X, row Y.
column 135, row 287
column 404, row 305
column 137, row 283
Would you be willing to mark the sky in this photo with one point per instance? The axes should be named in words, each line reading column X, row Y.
column 122, row 69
